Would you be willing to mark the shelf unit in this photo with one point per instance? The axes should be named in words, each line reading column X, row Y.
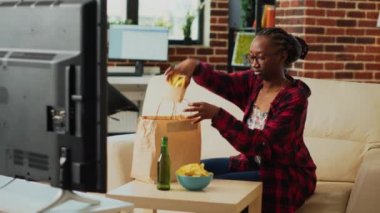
column 257, row 14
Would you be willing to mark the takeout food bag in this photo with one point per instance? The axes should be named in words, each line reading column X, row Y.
column 184, row 144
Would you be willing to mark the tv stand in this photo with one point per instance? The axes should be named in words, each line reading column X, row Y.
column 66, row 195
column 24, row 196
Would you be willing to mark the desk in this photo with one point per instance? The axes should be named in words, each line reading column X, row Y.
column 25, row 196
column 222, row 196
column 130, row 80
column 133, row 87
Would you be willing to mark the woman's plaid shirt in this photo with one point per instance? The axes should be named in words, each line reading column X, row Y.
column 286, row 169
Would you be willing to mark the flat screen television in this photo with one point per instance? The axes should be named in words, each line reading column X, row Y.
column 53, row 92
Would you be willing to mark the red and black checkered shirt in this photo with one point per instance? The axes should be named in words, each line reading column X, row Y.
column 286, row 169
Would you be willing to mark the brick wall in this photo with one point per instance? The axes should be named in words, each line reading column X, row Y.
column 342, row 35
column 343, row 38
column 215, row 54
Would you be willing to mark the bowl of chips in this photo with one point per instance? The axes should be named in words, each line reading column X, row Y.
column 194, row 177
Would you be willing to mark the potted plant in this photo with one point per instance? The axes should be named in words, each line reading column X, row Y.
column 247, row 17
column 189, row 18
column 187, row 27
column 119, row 21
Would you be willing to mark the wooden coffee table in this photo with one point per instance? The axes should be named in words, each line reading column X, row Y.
column 222, row 196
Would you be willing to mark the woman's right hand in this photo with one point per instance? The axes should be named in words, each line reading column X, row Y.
column 186, row 67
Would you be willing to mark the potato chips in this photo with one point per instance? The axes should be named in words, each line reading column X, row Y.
column 193, row 169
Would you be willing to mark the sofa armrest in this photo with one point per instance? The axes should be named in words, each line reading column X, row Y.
column 119, row 160
column 366, row 191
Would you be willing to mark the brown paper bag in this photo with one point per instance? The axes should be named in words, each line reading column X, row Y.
column 184, row 143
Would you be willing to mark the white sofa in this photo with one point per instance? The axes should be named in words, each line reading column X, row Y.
column 342, row 133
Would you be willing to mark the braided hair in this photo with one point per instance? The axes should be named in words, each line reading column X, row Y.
column 295, row 47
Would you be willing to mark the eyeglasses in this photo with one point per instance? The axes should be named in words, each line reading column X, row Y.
column 251, row 58
column 259, row 59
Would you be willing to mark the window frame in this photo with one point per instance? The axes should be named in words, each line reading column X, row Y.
column 132, row 14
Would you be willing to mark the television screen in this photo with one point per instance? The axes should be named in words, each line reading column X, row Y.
column 53, row 92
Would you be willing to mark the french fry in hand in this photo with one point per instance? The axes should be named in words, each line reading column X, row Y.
column 178, row 80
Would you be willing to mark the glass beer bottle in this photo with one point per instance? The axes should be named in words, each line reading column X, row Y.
column 163, row 166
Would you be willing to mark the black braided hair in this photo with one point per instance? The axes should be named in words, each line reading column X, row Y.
column 295, row 47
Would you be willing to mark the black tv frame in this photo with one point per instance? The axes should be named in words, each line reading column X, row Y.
column 54, row 122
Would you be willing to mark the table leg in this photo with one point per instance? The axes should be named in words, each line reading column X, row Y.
column 255, row 206
column 154, row 210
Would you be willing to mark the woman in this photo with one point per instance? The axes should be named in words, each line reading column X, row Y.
column 270, row 137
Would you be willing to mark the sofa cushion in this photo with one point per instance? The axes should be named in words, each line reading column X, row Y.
column 336, row 160
column 343, row 110
column 213, row 145
column 366, row 191
column 343, row 118
column 329, row 197
column 119, row 160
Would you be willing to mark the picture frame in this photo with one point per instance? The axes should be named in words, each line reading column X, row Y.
column 241, row 49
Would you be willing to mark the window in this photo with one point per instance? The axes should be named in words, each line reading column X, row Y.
column 117, row 10
column 172, row 13
column 169, row 13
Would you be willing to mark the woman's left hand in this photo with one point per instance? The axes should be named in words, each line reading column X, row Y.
column 201, row 111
